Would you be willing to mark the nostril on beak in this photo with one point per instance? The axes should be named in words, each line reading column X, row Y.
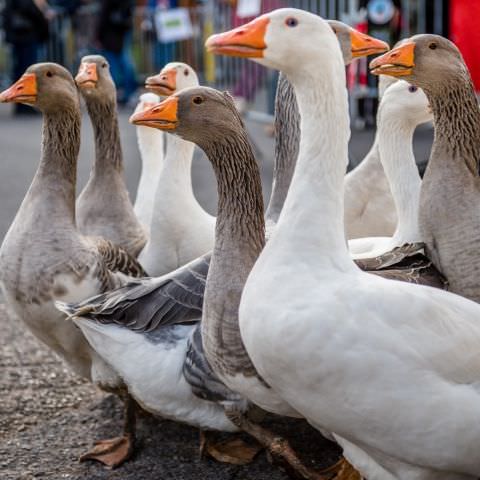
column 20, row 87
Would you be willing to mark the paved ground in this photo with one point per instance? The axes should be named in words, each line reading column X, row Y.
column 47, row 416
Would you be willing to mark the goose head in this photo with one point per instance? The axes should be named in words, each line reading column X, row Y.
column 424, row 60
column 355, row 44
column 47, row 86
column 173, row 77
column 406, row 102
column 94, row 79
column 196, row 114
column 287, row 39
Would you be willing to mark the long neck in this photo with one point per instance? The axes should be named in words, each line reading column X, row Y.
column 108, row 149
column 311, row 222
column 457, row 123
column 239, row 239
column 176, row 171
column 395, row 137
column 53, row 188
column 287, row 142
column 151, row 143
column 151, row 146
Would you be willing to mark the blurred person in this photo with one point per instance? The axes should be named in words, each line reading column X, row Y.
column 59, row 11
column 26, row 29
column 114, row 30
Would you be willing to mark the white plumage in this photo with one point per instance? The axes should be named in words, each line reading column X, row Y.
column 391, row 369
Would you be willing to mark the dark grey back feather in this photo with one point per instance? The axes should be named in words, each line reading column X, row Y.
column 198, row 373
column 147, row 304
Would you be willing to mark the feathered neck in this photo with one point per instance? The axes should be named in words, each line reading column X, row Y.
column 151, row 143
column 456, row 117
column 395, row 141
column 311, row 222
column 239, row 239
column 108, row 149
column 178, row 164
column 151, row 146
column 55, row 180
column 287, row 140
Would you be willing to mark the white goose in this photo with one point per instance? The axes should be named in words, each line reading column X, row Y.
column 151, row 145
column 181, row 230
column 369, row 206
column 402, row 108
column 390, row 368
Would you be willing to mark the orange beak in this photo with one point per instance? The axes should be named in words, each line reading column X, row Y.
column 364, row 45
column 246, row 41
column 24, row 90
column 87, row 76
column 163, row 115
column 397, row 63
column 165, row 83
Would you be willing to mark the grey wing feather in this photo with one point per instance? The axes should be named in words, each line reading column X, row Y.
column 198, row 373
column 117, row 259
column 146, row 304
column 407, row 263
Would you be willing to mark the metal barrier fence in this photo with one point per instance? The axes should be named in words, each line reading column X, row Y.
column 73, row 37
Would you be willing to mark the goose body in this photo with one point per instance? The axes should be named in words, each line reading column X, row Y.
column 351, row 352
column 103, row 207
column 43, row 257
column 151, row 145
column 369, row 207
column 181, row 230
column 401, row 109
column 139, row 357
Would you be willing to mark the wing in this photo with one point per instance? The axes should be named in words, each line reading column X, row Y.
column 198, row 373
column 117, row 259
column 407, row 263
column 145, row 305
column 443, row 329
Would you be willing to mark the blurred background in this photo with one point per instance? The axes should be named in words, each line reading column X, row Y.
column 140, row 36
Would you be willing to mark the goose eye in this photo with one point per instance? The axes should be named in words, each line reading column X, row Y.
column 432, row 46
column 186, row 72
column 291, row 22
column 197, row 100
column 412, row 89
column 104, row 65
column 49, row 74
